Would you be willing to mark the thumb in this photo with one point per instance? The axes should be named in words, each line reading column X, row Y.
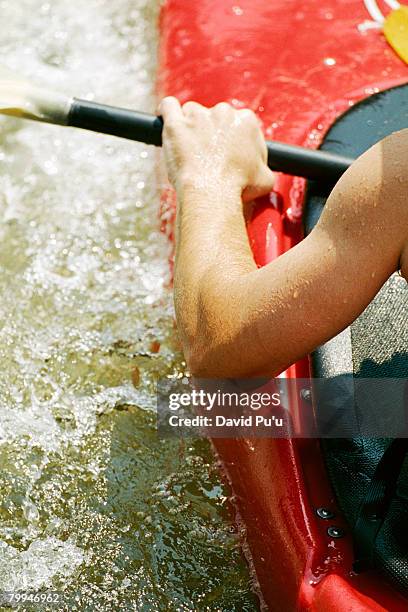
column 263, row 185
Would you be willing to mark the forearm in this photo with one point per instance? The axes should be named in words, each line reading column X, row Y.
column 211, row 231
column 213, row 257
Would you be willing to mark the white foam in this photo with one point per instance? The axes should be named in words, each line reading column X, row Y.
column 35, row 567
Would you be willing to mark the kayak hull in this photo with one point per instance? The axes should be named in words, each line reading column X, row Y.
column 289, row 63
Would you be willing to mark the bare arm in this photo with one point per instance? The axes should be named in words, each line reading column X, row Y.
column 237, row 320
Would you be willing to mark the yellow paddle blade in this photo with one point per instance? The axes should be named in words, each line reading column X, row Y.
column 396, row 31
column 21, row 98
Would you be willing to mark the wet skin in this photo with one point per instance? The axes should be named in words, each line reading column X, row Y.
column 236, row 320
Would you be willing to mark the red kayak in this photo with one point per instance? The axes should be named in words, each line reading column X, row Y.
column 298, row 65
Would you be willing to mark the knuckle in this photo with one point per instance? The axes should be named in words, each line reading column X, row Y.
column 192, row 107
column 223, row 106
column 248, row 115
column 168, row 102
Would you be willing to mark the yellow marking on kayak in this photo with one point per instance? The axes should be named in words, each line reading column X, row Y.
column 396, row 31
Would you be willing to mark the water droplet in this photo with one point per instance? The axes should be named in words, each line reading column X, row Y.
column 30, row 511
column 237, row 10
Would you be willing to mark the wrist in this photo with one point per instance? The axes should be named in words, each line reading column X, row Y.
column 192, row 183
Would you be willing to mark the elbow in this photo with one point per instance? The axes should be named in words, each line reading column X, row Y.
column 205, row 363
column 209, row 357
column 213, row 339
column 201, row 358
column 206, row 359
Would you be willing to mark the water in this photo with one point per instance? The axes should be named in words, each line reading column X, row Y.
column 91, row 502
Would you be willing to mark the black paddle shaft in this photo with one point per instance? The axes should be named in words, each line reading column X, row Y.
column 125, row 123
